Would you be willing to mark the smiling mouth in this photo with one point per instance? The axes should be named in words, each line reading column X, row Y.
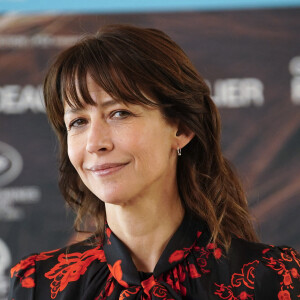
column 106, row 169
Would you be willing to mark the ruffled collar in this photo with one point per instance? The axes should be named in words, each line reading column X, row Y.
column 180, row 245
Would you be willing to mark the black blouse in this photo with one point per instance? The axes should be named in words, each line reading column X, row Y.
column 190, row 268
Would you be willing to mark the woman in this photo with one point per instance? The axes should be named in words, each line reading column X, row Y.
column 141, row 159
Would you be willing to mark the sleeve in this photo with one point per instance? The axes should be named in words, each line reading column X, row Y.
column 278, row 274
column 22, row 279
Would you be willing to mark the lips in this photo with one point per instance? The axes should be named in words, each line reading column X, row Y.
column 107, row 168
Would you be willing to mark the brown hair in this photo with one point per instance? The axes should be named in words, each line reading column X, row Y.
column 128, row 63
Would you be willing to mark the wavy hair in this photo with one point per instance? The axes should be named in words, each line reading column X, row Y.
column 145, row 66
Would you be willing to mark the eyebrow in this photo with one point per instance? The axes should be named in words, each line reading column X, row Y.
column 104, row 104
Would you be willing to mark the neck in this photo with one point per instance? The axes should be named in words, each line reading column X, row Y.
column 146, row 226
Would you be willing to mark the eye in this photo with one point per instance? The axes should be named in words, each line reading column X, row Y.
column 76, row 123
column 120, row 114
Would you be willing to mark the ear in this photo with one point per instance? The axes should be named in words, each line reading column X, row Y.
column 183, row 135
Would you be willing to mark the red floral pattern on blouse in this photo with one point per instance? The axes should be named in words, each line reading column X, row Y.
column 70, row 267
column 175, row 279
column 190, row 268
column 107, row 291
column 245, row 279
column 288, row 275
column 28, row 266
column 182, row 253
column 117, row 273
column 150, row 287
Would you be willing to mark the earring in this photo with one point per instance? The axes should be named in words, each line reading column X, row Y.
column 179, row 151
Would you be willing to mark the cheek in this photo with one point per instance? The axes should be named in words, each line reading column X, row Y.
column 150, row 150
column 74, row 152
column 132, row 139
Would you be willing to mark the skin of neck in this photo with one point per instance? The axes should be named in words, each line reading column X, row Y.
column 145, row 225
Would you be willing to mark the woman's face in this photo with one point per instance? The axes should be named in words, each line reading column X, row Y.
column 122, row 152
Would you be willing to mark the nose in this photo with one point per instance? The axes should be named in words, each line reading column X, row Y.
column 98, row 139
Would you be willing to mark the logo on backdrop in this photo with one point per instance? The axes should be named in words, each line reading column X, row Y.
column 237, row 92
column 295, row 82
column 11, row 166
column 5, row 261
column 17, row 99
column 36, row 41
column 228, row 92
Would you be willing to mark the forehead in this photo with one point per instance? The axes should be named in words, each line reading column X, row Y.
column 92, row 86
column 96, row 92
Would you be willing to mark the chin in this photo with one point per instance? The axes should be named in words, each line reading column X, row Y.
column 111, row 198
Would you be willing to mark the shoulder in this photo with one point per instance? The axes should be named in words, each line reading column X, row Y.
column 272, row 271
column 40, row 269
column 245, row 250
column 68, row 254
